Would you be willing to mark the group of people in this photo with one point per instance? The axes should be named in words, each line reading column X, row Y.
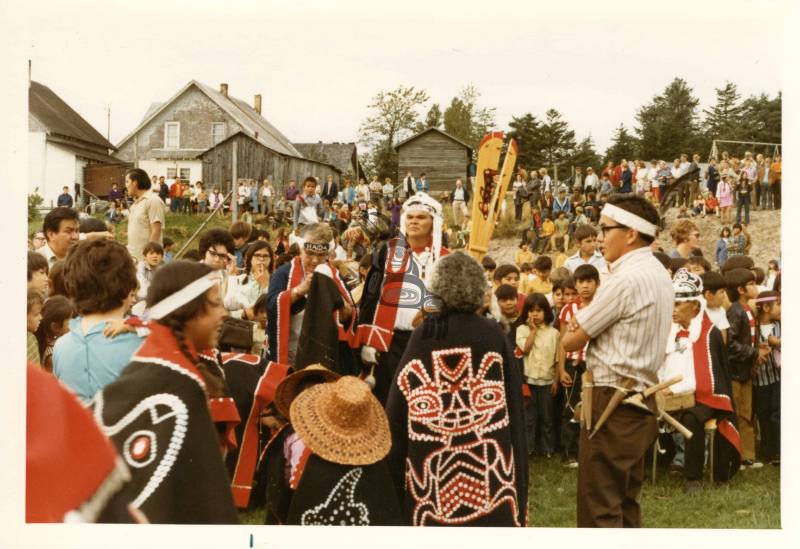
column 354, row 370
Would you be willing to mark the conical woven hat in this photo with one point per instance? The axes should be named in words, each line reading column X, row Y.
column 287, row 389
column 342, row 422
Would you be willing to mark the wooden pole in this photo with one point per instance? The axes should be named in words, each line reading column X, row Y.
column 234, row 182
column 202, row 226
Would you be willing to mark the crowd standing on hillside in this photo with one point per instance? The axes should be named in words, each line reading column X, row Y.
column 333, row 358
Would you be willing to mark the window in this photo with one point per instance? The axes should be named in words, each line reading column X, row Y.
column 172, row 173
column 186, row 174
column 217, row 132
column 172, row 134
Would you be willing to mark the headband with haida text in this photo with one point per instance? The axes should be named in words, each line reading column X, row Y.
column 629, row 219
column 317, row 247
column 182, row 296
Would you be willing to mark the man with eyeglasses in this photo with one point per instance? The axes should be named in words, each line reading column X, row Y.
column 626, row 327
column 61, row 230
column 216, row 250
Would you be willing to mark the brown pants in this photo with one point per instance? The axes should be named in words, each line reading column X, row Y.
column 743, row 401
column 611, row 464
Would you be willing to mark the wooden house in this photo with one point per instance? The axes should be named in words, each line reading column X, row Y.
column 440, row 155
column 344, row 156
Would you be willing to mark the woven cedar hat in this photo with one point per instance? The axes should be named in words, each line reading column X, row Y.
column 288, row 389
column 342, row 422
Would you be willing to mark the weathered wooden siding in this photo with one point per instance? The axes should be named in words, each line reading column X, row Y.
column 255, row 161
column 441, row 158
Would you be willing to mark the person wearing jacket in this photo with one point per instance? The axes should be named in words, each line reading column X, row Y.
column 744, row 352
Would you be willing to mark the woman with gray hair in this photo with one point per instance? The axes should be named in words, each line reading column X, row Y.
column 456, row 414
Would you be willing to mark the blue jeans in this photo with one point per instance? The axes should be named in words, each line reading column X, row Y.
column 539, row 419
column 766, row 197
column 743, row 201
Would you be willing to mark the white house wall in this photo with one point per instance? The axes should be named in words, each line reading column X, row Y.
column 160, row 167
column 37, row 159
column 59, row 172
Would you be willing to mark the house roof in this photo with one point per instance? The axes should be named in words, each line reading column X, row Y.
column 60, row 119
column 423, row 132
column 260, row 142
column 252, row 122
column 336, row 154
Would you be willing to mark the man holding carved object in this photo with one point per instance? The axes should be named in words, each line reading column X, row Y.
column 626, row 326
column 696, row 352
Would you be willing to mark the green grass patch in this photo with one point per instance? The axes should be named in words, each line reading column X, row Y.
column 750, row 500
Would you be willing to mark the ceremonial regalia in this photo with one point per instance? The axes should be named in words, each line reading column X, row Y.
column 285, row 319
column 157, row 413
column 459, row 455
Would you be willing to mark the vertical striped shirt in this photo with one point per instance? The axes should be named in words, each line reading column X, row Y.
column 769, row 371
column 567, row 312
column 629, row 321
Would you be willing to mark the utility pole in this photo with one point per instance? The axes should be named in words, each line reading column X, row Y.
column 234, row 182
column 108, row 122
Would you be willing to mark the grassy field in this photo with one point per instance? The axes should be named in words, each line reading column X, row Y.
column 750, row 500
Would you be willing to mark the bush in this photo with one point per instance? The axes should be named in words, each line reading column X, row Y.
column 34, row 201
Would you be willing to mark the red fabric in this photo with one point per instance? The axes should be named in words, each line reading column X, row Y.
column 285, row 310
column 751, row 319
column 223, row 410
column 567, row 312
column 67, row 456
column 242, row 482
column 703, row 374
column 297, row 474
column 729, row 431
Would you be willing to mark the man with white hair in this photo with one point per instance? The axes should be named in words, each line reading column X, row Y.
column 396, row 288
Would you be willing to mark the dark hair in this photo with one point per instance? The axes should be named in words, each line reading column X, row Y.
column 488, row 263
column 168, row 280
column 168, row 242
column 586, row 272
column 737, row 225
column 663, row 258
column 140, row 177
column 699, row 260
column 34, row 298
column 366, row 261
column 53, row 219
column 713, row 281
column 584, row 231
column 310, row 179
column 535, row 301
column 241, row 229
column 505, row 291
column 152, row 247
column 543, row 263
column 215, row 237
column 191, row 255
column 676, row 263
column 56, row 279
column 248, row 258
column 260, row 304
column 737, row 262
column 735, row 279
column 36, row 262
column 258, row 233
column 777, row 284
column 99, row 275
column 282, row 259
column 56, row 310
column 504, row 270
column 760, row 275
column 640, row 207
column 92, row 225
column 525, row 267
column 722, row 232
column 762, row 307
column 564, row 283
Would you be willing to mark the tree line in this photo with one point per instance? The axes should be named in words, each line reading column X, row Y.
column 671, row 123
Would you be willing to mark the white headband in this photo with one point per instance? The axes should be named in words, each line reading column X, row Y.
column 629, row 219
column 315, row 246
column 182, row 296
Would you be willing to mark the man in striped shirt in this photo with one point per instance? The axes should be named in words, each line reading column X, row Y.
column 626, row 326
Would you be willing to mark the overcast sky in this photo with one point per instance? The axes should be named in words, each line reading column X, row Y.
column 318, row 64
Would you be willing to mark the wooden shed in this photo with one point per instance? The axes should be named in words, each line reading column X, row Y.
column 440, row 155
column 256, row 161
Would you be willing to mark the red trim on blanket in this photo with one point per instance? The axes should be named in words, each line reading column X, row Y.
column 248, row 454
column 731, row 434
column 285, row 310
column 703, row 372
column 297, row 474
column 223, row 410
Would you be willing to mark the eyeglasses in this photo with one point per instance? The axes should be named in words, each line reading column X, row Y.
column 261, row 256
column 221, row 257
column 607, row 228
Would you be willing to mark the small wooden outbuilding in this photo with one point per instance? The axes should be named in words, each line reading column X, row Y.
column 438, row 154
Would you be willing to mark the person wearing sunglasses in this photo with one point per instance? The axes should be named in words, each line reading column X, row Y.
column 626, row 327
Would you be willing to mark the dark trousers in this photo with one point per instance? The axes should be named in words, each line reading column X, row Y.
column 539, row 419
column 695, row 419
column 386, row 369
column 743, row 201
column 570, row 428
column 775, row 189
column 767, row 404
column 611, row 468
column 518, row 210
column 766, row 200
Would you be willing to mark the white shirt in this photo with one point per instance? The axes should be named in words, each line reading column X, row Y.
column 596, row 259
column 458, row 194
column 266, row 191
column 591, row 181
column 718, row 317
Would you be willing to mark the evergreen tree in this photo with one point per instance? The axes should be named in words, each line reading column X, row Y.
column 465, row 119
column 623, row 145
column 432, row 120
column 525, row 130
column 668, row 125
column 458, row 120
column 723, row 120
column 761, row 119
column 585, row 155
column 558, row 141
